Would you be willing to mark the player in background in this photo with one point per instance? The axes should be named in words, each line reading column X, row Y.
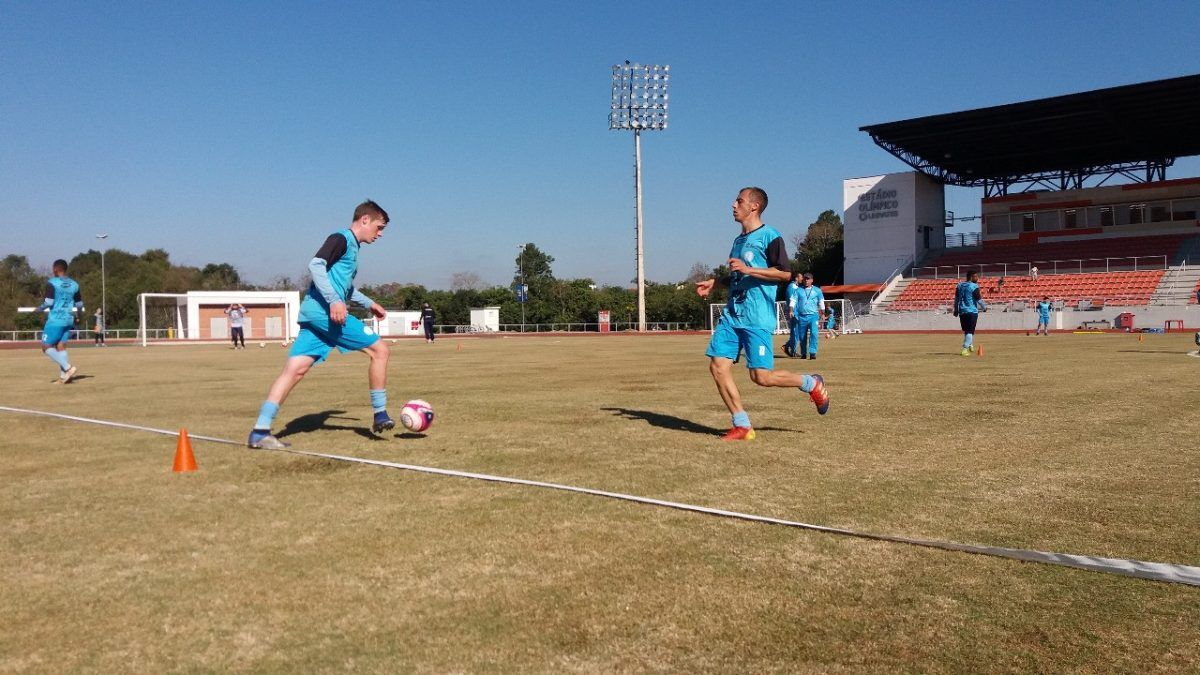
column 758, row 263
column 1043, row 309
column 427, row 319
column 830, row 323
column 793, row 287
column 810, row 304
column 62, row 299
column 968, row 303
column 237, row 313
column 325, row 324
column 98, row 329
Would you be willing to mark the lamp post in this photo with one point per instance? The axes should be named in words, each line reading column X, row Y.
column 103, row 284
column 639, row 102
column 522, row 289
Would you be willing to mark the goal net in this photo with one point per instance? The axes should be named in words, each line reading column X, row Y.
column 845, row 317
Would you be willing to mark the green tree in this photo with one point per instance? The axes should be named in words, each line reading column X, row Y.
column 822, row 249
column 20, row 286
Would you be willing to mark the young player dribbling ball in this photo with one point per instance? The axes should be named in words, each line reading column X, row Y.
column 325, row 324
column 758, row 263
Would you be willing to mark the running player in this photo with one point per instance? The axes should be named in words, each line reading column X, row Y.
column 1043, row 309
column 758, row 263
column 968, row 303
column 62, row 299
column 325, row 324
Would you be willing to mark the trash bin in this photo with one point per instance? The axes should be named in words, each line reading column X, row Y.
column 1125, row 320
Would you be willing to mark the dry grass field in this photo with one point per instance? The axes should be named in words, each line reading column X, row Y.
column 272, row 562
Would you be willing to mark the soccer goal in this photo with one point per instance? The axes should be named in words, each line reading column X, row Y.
column 161, row 316
column 846, row 318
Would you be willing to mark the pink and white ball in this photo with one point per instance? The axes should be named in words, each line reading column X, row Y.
column 416, row 415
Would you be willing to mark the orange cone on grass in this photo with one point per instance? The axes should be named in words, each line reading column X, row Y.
column 980, row 351
column 1141, row 337
column 185, row 460
column 458, row 347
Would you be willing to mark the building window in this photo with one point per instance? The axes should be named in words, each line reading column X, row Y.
column 1137, row 213
column 1185, row 209
column 1160, row 212
column 1069, row 221
column 1027, row 222
column 1106, row 216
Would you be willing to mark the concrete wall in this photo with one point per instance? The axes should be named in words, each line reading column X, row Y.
column 1144, row 317
column 885, row 219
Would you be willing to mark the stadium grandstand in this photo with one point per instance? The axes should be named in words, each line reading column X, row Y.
column 1076, row 207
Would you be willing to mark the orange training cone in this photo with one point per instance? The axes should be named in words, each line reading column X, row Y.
column 184, row 459
column 980, row 352
column 458, row 347
column 1141, row 337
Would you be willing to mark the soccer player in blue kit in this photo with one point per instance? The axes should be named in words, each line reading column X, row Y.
column 968, row 303
column 758, row 263
column 325, row 324
column 61, row 299
column 1043, row 309
column 808, row 304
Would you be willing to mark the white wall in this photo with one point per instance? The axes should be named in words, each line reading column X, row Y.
column 485, row 318
column 289, row 299
column 884, row 220
column 404, row 322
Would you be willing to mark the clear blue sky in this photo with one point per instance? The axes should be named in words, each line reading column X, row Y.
column 245, row 132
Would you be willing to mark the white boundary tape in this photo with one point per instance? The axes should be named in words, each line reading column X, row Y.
column 1169, row 572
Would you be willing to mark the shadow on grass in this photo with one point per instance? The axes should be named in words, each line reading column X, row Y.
column 1151, row 351
column 320, row 422
column 678, row 423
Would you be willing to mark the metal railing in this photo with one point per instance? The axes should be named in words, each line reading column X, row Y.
column 964, row 240
column 1022, row 304
column 1045, row 267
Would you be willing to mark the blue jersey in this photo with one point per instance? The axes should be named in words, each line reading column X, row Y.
column 966, row 297
column 807, row 301
column 752, row 301
column 831, row 321
column 62, row 295
column 339, row 255
column 1043, row 311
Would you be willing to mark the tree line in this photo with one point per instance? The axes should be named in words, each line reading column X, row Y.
column 550, row 299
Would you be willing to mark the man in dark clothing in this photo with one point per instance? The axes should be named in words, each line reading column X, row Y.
column 427, row 320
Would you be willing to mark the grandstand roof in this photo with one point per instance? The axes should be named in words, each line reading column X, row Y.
column 1143, row 125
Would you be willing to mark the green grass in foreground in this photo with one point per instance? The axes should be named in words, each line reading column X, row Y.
column 273, row 562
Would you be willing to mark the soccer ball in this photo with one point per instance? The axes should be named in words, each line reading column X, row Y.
column 416, row 415
column 262, row 344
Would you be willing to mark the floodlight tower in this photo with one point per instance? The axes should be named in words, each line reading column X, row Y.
column 639, row 102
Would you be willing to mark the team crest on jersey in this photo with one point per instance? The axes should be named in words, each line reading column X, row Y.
column 748, row 256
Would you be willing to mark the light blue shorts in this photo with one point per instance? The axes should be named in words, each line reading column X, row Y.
column 318, row 339
column 54, row 334
column 757, row 343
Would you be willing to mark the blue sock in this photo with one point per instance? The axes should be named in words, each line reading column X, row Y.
column 266, row 415
column 968, row 340
column 741, row 419
column 379, row 400
column 808, row 384
column 60, row 358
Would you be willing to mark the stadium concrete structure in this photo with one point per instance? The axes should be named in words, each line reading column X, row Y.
column 200, row 315
column 1077, row 207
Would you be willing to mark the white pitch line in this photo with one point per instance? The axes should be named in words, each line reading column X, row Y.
column 1154, row 571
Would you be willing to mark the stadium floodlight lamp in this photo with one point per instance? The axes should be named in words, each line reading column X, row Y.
column 639, row 103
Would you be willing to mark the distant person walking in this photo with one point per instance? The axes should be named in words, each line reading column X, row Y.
column 809, row 306
column 62, row 300
column 1033, row 272
column 758, row 263
column 830, row 322
column 237, row 313
column 98, row 329
column 968, row 303
column 427, row 318
column 793, row 288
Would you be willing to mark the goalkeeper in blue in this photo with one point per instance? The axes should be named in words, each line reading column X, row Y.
column 325, row 324
column 62, row 300
column 968, row 303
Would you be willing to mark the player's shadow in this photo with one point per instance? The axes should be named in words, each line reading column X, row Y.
column 320, row 422
column 676, row 423
column 78, row 378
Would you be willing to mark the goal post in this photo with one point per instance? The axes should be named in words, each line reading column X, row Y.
column 846, row 318
column 161, row 316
